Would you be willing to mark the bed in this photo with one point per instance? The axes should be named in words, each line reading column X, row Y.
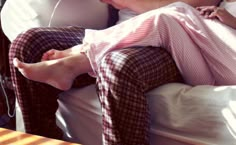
column 180, row 114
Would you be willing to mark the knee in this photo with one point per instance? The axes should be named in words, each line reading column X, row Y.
column 28, row 37
column 26, row 44
column 118, row 65
column 116, row 72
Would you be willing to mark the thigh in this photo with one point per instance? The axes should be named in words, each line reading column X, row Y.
column 30, row 45
column 123, row 78
column 38, row 99
column 153, row 66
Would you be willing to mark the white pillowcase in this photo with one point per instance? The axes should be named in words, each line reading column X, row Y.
column 20, row 15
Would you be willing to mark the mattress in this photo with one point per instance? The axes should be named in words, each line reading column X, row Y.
column 180, row 114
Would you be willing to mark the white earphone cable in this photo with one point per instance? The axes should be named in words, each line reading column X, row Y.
column 53, row 12
column 7, row 99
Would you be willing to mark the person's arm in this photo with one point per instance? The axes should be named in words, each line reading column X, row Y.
column 224, row 16
column 213, row 12
column 141, row 6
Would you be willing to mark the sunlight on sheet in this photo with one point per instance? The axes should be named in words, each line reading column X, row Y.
column 229, row 114
column 221, row 88
column 23, row 15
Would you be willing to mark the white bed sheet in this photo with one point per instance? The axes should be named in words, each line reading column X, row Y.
column 201, row 115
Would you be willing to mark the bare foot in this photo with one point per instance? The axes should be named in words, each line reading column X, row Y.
column 56, row 54
column 53, row 72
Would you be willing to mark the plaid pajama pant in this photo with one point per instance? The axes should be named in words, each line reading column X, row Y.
column 38, row 101
column 123, row 78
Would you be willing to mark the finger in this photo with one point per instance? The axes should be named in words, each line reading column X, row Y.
column 199, row 8
column 207, row 9
column 213, row 15
column 207, row 13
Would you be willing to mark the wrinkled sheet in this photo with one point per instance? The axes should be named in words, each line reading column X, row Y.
column 201, row 114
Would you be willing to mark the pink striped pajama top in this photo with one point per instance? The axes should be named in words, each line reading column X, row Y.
column 204, row 49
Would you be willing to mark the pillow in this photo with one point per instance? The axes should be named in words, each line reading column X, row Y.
column 18, row 16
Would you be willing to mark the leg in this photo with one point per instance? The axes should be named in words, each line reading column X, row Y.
column 123, row 78
column 37, row 100
column 59, row 73
column 159, row 28
column 56, row 54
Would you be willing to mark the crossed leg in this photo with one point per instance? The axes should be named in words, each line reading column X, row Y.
column 56, row 54
column 121, row 88
column 39, row 99
column 59, row 73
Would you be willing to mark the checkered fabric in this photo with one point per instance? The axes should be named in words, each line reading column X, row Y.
column 37, row 100
column 123, row 78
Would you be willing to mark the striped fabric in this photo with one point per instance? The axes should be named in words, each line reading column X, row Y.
column 39, row 101
column 203, row 49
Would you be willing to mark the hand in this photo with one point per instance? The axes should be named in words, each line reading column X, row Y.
column 206, row 10
column 221, row 14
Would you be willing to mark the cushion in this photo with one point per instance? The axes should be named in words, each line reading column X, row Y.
column 18, row 16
